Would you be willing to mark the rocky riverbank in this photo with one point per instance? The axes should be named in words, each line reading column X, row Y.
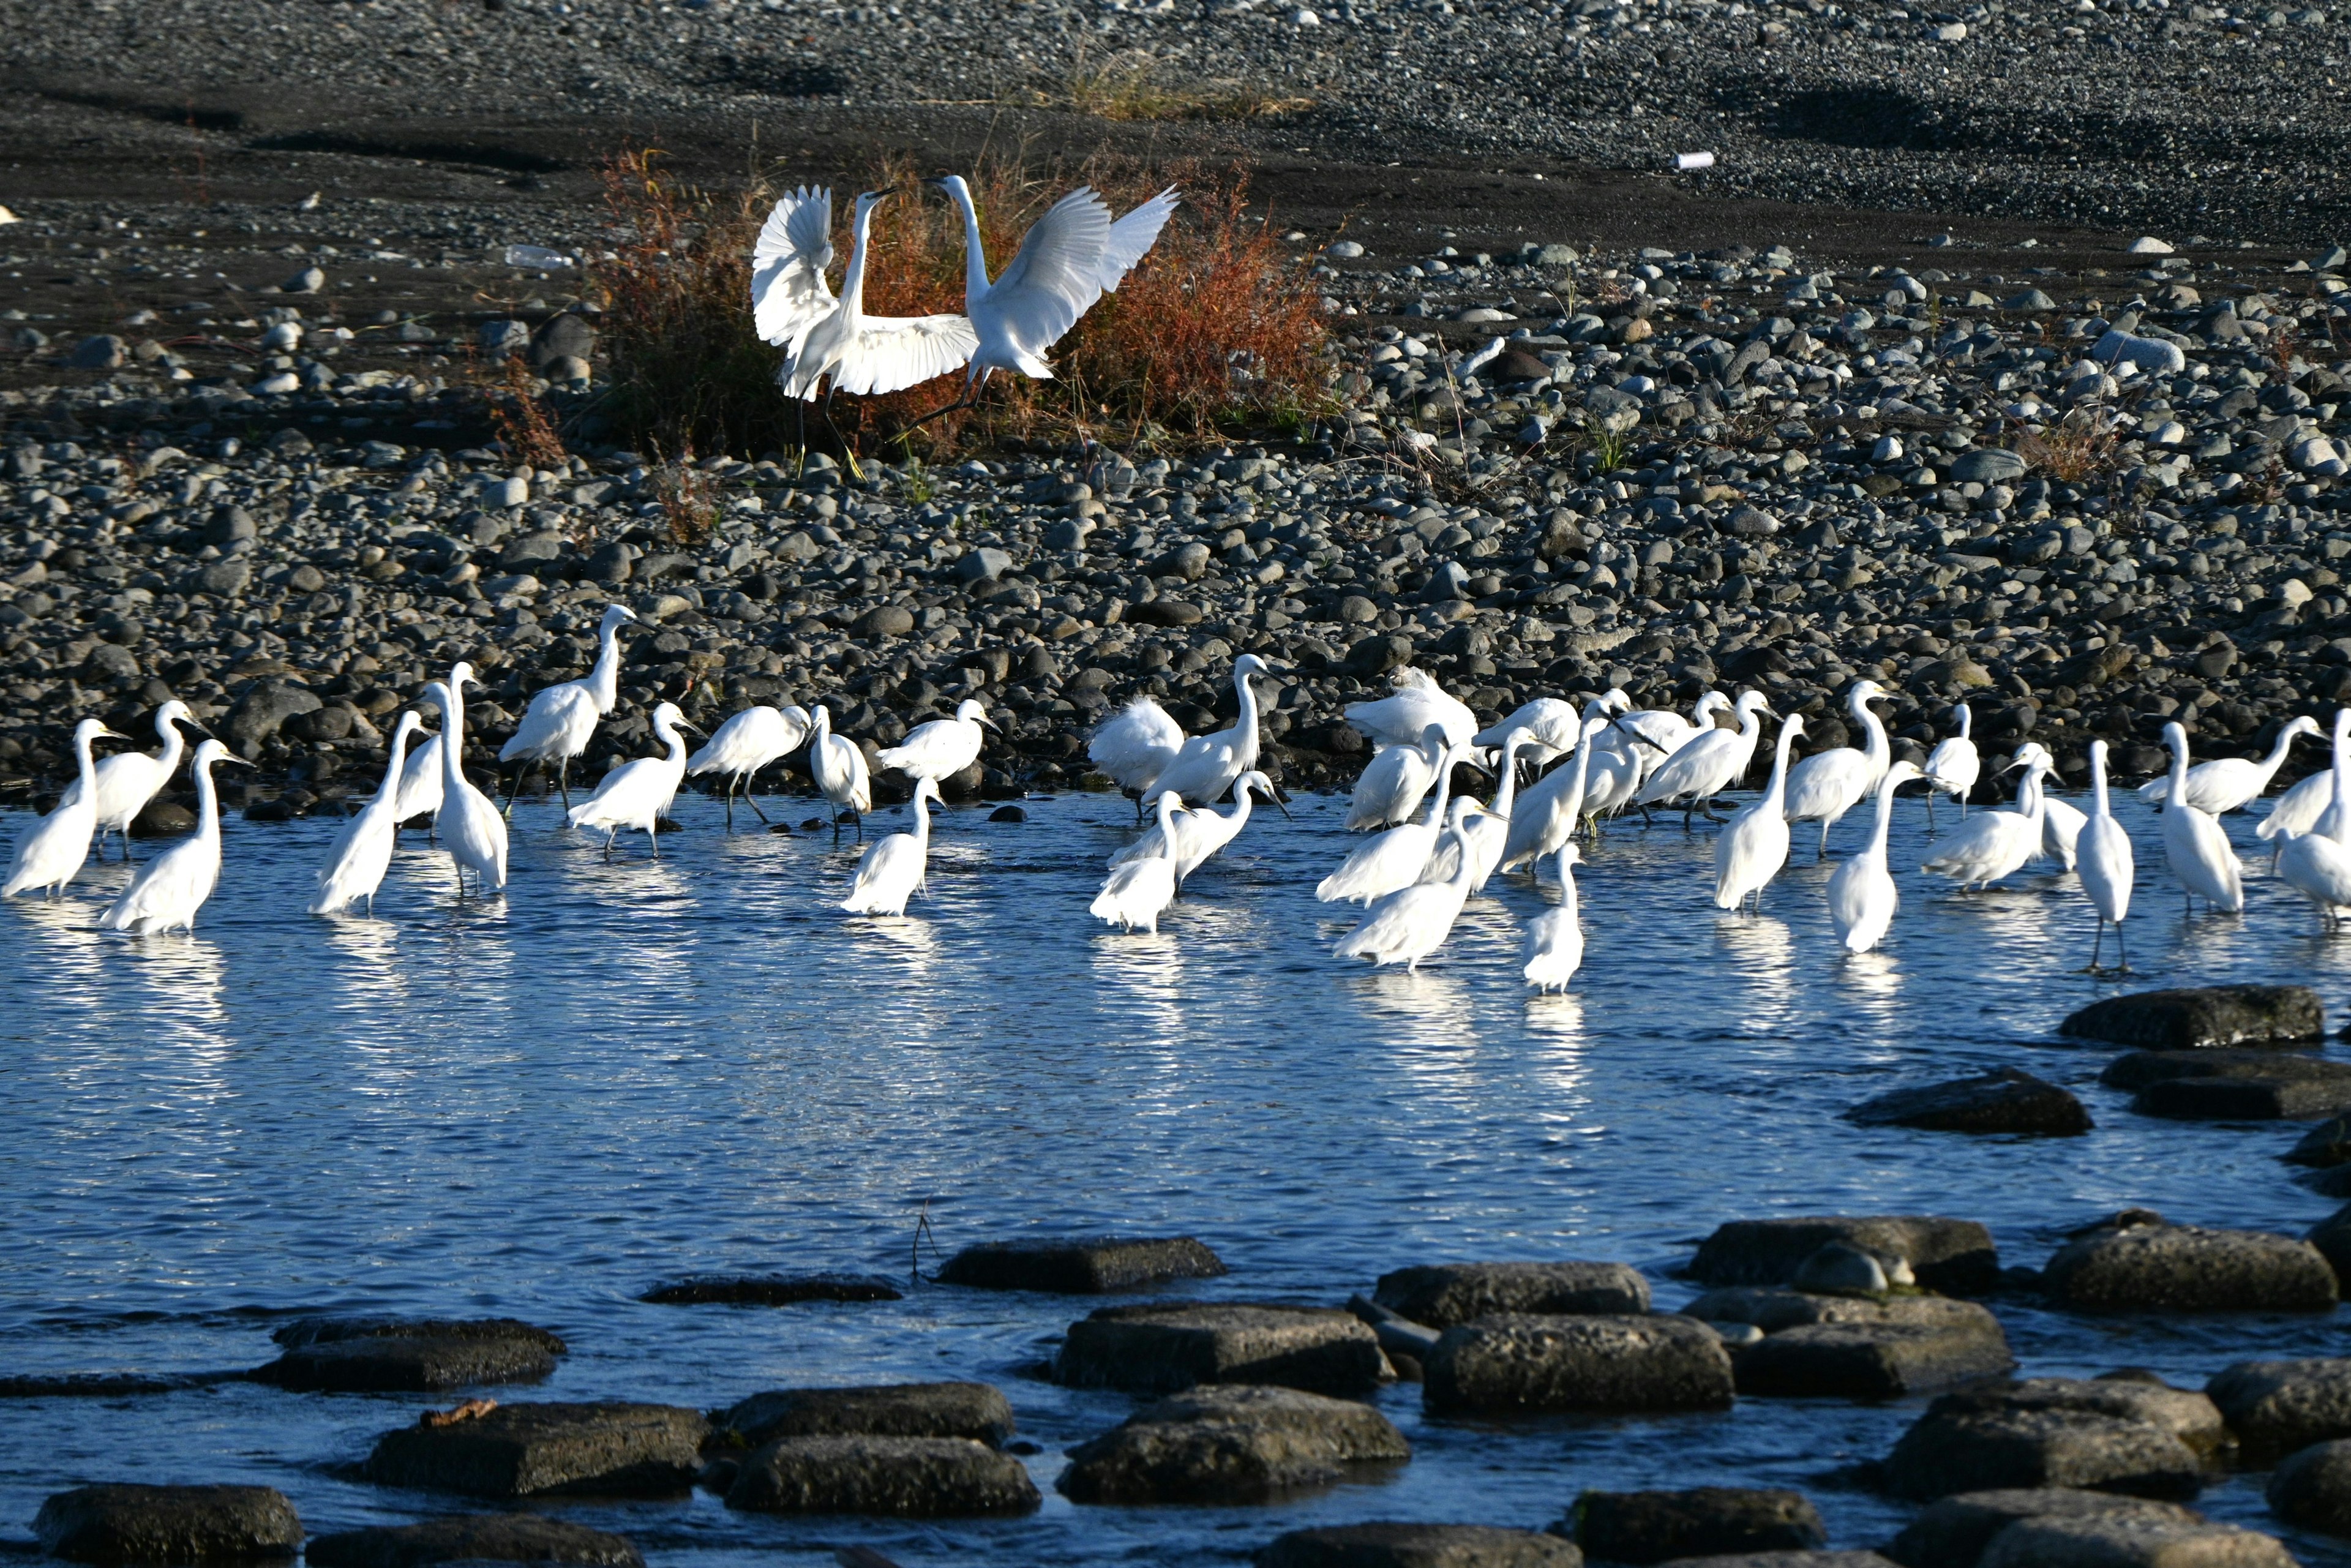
column 2082, row 515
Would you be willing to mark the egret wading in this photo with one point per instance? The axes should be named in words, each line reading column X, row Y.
column 1134, row 746
column 2193, row 845
column 2104, row 861
column 1708, row 764
column 1407, row 924
column 1754, row 847
column 2317, row 864
column 1205, row 766
column 1200, row 834
column 1954, row 766
column 1862, row 898
column 53, row 852
column 467, row 821
column 637, row 794
column 892, row 870
column 1990, row 845
column 1826, row 785
column 561, row 720
column 2228, row 784
column 744, row 744
column 420, row 787
column 363, row 852
column 170, row 889
column 1545, row 816
column 943, row 747
column 129, row 779
column 838, row 766
column 1393, row 858
column 1138, row 890
column 1393, row 783
column 1554, row 942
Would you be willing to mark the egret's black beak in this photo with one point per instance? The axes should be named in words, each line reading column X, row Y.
column 1621, row 727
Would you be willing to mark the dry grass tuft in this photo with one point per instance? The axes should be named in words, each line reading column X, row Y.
column 1136, row 85
column 2085, row 446
column 521, row 420
column 689, row 501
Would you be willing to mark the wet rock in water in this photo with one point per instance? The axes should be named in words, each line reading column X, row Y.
column 2201, row 1018
column 2100, row 1434
column 771, row 1289
column 472, row 1538
column 1164, row 1347
column 1955, row 1255
column 1444, row 1294
column 1786, row 1559
column 2332, row 1237
column 2312, row 1488
column 106, row 1384
column 2277, row 1407
column 152, row 1524
column 1644, row 1527
column 1395, row 1545
column 1954, row 1532
column 378, row 1355
column 2233, row 1085
column 1526, row 1362
column 2132, row 1265
column 2117, row 1540
column 907, row 1478
column 1837, row 1270
column 972, row 1410
column 1230, row 1444
column 1080, row 1266
column 1772, row 1309
column 161, row 819
column 1870, row 1360
column 2007, row 1101
column 534, row 1450
column 2323, row 1146
column 2142, row 1070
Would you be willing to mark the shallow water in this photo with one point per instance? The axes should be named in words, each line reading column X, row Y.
column 620, row 1073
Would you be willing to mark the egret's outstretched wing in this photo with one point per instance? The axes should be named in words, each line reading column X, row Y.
column 1132, row 237
column 795, row 247
column 893, row 352
column 1057, row 275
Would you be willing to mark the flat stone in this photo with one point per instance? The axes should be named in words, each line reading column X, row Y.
column 532, row 1450
column 1644, row 1527
column 1955, row 1255
column 907, row 1478
column 1231, row 1444
column 1772, row 1309
column 972, row 1410
column 2277, row 1407
column 1868, row 1361
column 2332, row 1237
column 2312, row 1488
column 1954, row 1532
column 2100, row 1435
column 1388, row 1545
column 2323, row 1146
column 2296, row 1099
column 1080, row 1266
column 377, row 1355
column 2007, row 1101
column 472, row 1538
column 1444, row 1294
column 2112, row 1541
column 771, row 1289
column 2142, row 1070
column 2158, row 1268
column 1165, row 613
column 1526, row 1362
column 2203, row 1017
column 1165, row 1347
column 1987, row 466
column 127, row 1523
column 885, row 621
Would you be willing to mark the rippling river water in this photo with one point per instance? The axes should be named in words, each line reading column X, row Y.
column 621, row 1074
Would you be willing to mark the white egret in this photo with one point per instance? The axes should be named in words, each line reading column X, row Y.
column 1668, row 731
column 1862, row 895
column 1138, row 890
column 869, row 355
column 1393, row 858
column 420, row 787
column 1485, row 831
column 2193, row 845
column 892, row 870
column 1954, row 766
column 1552, row 726
column 561, row 720
column 1407, row 924
column 943, row 748
column 1404, row 716
column 2298, row 810
column 1205, row 766
column 1554, row 945
column 788, row 294
column 838, row 764
column 1708, row 764
column 1826, row 785
column 747, row 742
column 2227, row 784
column 1069, row 259
column 2106, row 862
column 54, row 850
column 171, row 888
column 2317, row 864
column 467, row 821
column 1545, row 817
column 1393, row 784
column 2061, row 823
column 1754, row 847
column 1200, row 834
column 364, row 850
column 1134, row 747
column 1990, row 845
column 129, row 779
column 637, row 794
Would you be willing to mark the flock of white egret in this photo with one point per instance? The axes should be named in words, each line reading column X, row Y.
column 1429, row 849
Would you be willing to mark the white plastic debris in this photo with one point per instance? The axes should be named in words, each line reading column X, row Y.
column 536, row 256
column 1693, row 160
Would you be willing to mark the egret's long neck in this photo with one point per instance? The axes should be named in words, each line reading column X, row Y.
column 2099, row 783
column 852, row 282
column 923, row 821
column 975, row 260
column 1885, row 819
column 1581, row 774
column 676, row 745
column 1877, row 748
column 396, row 761
column 452, row 742
column 604, row 680
column 2276, row 758
column 86, row 769
column 1443, row 788
column 2028, row 791
column 1566, row 883
column 207, row 806
column 1966, row 722
column 1506, row 793
column 174, row 746
column 1246, row 724
column 1168, row 801
column 1239, row 815
column 2039, row 808
column 1777, row 791
column 2178, row 789
column 1465, row 868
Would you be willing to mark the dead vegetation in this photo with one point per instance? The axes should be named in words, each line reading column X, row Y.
column 1136, row 85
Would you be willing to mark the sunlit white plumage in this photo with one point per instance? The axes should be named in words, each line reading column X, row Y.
column 1140, row 888
column 1205, row 766
column 49, row 855
column 420, row 784
column 1200, row 834
column 1544, row 816
column 2298, row 810
column 838, row 766
column 2193, row 845
column 1862, row 895
column 1134, row 746
column 1551, row 724
column 1404, row 716
column 1668, row 731
column 170, row 889
column 2317, row 864
column 1485, row 830
column 467, row 823
column 364, row 850
column 788, row 293
column 2226, row 784
column 1708, row 764
column 1754, row 846
column 2104, row 861
column 890, row 871
column 1395, row 859
column 1393, row 783
column 869, row 355
column 1826, row 785
column 747, row 742
column 1955, row 765
column 1990, row 845
column 561, row 720
column 637, row 793
column 129, row 779
column 1555, row 941
column 1407, row 924
column 943, row 748
column 2061, row 823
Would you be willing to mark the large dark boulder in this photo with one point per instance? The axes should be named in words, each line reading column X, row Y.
column 2115, row 1540
column 472, row 1538
column 2005, row 1101
column 1954, row 1532
column 1514, row 1362
column 389, row 1355
column 972, row 1410
column 2332, row 1237
column 1441, row 1295
column 770, row 1289
column 2195, row 1019
column 535, row 1450
column 1954, row 1256
column 2142, row 1070
column 2139, row 1264
column 1080, row 1266
column 262, row 711
column 2312, row 1488
column 1164, row 1347
column 909, row 1478
column 1394, row 1545
column 1869, row 1361
column 2277, row 1407
column 1643, row 1527
column 1230, row 1444
column 2102, row 1435
column 130, row 1524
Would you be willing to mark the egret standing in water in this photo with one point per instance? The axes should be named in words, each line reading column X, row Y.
column 53, row 852
column 838, row 766
column 1708, row 764
column 890, row 871
column 1393, row 858
column 1754, row 847
column 2193, row 845
column 2227, row 784
column 1954, row 766
column 363, row 850
column 171, row 888
column 1554, row 945
column 1407, row 925
column 467, row 822
column 1200, row 834
column 943, row 748
column 1987, row 848
column 2104, row 861
column 1205, row 766
column 1134, row 746
column 749, row 741
column 561, row 720
column 420, row 787
column 1862, row 894
column 2317, row 863
column 1826, row 785
column 637, row 794
column 129, row 779
column 1139, row 889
